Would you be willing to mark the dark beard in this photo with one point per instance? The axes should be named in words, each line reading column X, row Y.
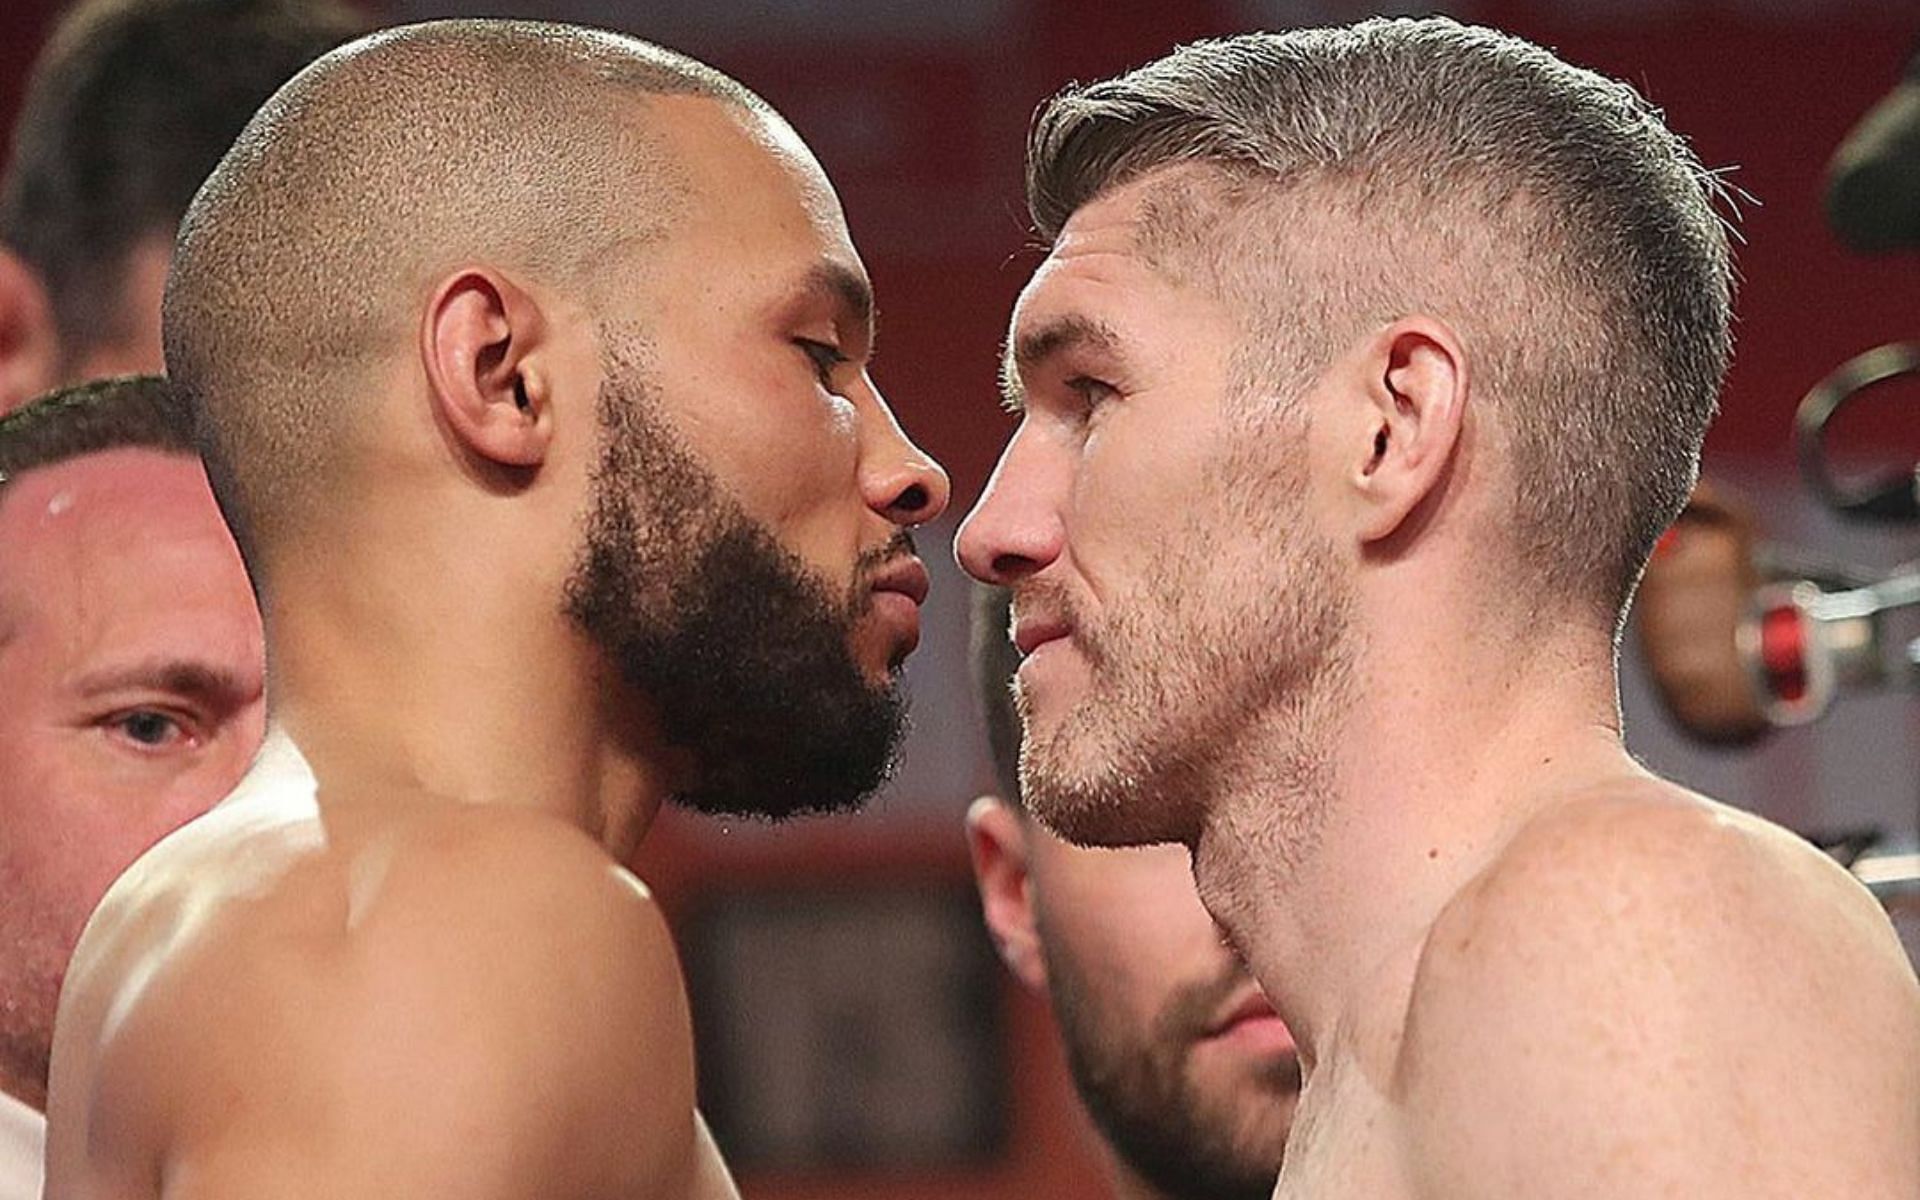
column 1137, row 1091
column 744, row 654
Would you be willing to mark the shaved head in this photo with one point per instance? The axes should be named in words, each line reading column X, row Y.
column 303, row 262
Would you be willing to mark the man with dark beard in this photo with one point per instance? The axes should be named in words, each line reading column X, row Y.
column 1187, row 1073
column 531, row 367
column 1364, row 369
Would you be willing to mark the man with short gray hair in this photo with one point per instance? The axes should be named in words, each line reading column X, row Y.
column 1365, row 368
column 1188, row 1076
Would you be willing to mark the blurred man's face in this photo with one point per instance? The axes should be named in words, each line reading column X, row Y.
column 132, row 657
column 1183, row 1065
column 34, row 359
column 135, row 349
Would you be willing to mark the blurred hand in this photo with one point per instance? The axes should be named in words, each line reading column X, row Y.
column 1696, row 590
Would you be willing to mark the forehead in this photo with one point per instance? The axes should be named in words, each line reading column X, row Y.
column 1104, row 284
column 756, row 191
column 119, row 529
column 1100, row 243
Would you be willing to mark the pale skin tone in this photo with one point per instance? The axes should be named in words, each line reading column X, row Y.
column 133, row 659
column 1517, row 964
column 441, row 979
column 160, row 506
column 1131, row 920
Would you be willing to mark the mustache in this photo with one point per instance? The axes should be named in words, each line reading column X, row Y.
column 900, row 545
column 859, row 599
column 1193, row 1012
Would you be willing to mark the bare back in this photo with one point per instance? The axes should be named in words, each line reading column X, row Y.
column 1646, row 994
column 339, row 996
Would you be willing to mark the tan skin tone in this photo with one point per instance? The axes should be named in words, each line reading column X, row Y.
column 1517, row 964
column 440, row 979
column 133, row 659
column 1131, row 919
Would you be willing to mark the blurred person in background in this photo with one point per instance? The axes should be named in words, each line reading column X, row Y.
column 530, row 364
column 1365, row 368
column 129, row 106
column 131, row 654
column 1187, row 1073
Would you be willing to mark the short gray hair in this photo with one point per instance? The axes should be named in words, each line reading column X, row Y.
column 1546, row 211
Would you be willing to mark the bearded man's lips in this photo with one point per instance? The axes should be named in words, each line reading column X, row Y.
column 1250, row 1023
column 898, row 589
column 906, row 576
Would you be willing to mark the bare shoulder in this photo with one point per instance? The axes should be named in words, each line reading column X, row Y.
column 1649, row 993
column 458, row 1001
column 1649, row 868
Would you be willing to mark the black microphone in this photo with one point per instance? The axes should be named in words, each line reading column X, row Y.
column 1886, row 496
column 1873, row 182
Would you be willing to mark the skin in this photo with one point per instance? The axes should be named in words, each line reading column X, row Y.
column 446, row 939
column 1132, row 928
column 133, row 655
column 1515, row 962
column 34, row 360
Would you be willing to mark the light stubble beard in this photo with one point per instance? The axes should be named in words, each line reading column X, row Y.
column 1228, row 671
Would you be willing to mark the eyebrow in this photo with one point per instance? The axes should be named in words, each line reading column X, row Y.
column 849, row 290
column 210, row 685
column 1035, row 346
